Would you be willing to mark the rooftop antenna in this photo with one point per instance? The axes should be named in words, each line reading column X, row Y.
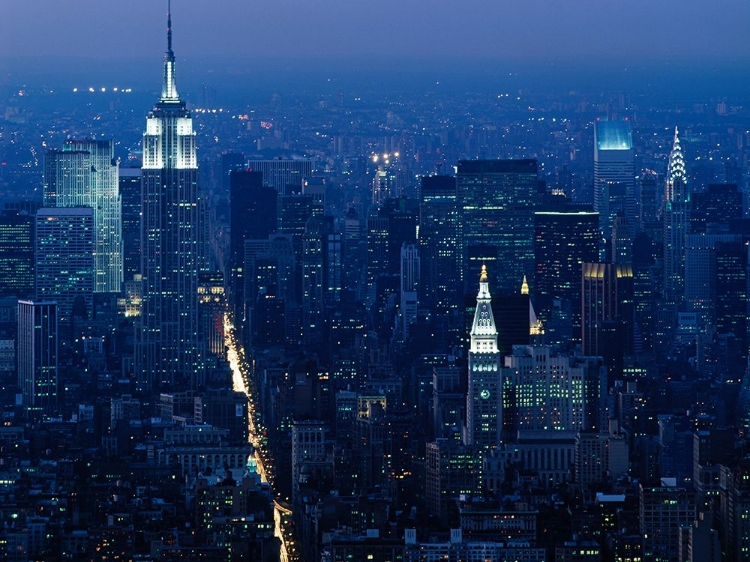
column 169, row 25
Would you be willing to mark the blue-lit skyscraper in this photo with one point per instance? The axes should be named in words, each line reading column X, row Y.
column 64, row 255
column 84, row 173
column 614, row 173
column 170, row 352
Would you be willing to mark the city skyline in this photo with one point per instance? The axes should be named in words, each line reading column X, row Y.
column 297, row 365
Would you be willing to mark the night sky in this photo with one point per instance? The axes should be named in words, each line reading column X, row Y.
column 514, row 29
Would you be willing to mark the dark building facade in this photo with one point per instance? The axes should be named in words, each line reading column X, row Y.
column 497, row 199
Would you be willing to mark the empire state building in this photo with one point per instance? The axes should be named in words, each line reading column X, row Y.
column 170, row 352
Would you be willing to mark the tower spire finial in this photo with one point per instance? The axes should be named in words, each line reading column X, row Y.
column 483, row 275
column 169, row 25
column 169, row 87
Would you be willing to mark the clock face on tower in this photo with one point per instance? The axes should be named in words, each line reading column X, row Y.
column 484, row 394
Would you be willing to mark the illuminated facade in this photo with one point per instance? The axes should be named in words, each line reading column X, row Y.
column 614, row 173
column 64, row 253
column 554, row 392
column 84, row 173
column 484, row 418
column 170, row 351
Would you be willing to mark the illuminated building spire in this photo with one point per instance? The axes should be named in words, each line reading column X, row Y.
column 676, row 175
column 483, row 403
column 524, row 286
column 169, row 88
column 483, row 330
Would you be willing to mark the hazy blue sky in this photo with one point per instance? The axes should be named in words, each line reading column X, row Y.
column 559, row 29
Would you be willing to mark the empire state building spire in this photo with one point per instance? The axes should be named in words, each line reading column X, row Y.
column 169, row 88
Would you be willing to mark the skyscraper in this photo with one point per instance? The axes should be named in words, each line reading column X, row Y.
column 64, row 254
column 497, row 200
column 16, row 254
column 607, row 314
column 130, row 192
column 483, row 400
column 701, row 275
column 252, row 217
column 85, row 173
column 719, row 204
column 439, row 248
column 563, row 242
column 554, row 392
column 285, row 176
column 410, row 286
column 37, row 356
column 676, row 216
column 614, row 173
column 731, row 291
column 169, row 348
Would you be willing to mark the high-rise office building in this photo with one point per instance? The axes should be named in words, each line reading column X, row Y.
column 439, row 248
column 321, row 275
column 16, row 254
column 37, row 356
column 664, row 510
column 130, row 192
column 607, row 314
column 170, row 350
column 676, row 215
column 546, row 392
column 377, row 250
column 313, row 280
column 701, row 274
column 64, row 254
column 649, row 204
column 614, row 173
column 252, row 217
column 563, row 242
column 230, row 162
column 621, row 243
column 484, row 418
column 719, row 204
column 84, row 173
column 293, row 213
column 731, row 291
column 211, row 304
column 410, row 286
column 497, row 200
column 285, row 176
